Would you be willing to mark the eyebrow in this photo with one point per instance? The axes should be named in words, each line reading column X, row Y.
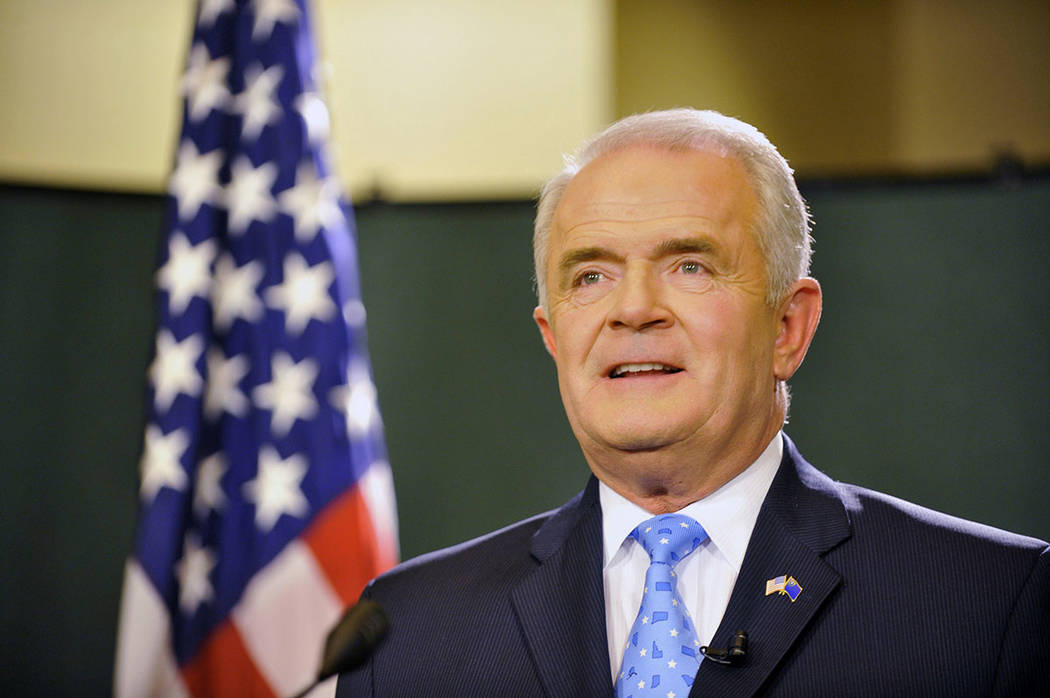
column 667, row 248
column 586, row 254
column 570, row 259
column 692, row 245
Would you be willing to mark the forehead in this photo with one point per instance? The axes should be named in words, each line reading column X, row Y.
column 645, row 185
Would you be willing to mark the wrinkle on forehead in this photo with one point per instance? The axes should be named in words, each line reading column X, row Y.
column 671, row 215
column 716, row 205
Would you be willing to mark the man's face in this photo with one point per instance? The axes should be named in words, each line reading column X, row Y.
column 656, row 316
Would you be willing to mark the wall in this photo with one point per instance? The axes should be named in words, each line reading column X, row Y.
column 456, row 99
column 901, row 85
column 927, row 379
column 473, row 99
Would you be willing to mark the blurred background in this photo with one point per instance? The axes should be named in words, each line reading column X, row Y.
column 920, row 132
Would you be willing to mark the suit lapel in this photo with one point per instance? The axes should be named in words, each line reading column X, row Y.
column 560, row 605
column 801, row 519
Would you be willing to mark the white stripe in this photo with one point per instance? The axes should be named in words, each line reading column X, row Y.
column 325, row 689
column 145, row 664
column 284, row 616
column 377, row 488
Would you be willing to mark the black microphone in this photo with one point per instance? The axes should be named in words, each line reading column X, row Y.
column 734, row 656
column 351, row 641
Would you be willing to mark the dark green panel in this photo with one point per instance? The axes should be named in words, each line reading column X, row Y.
column 75, row 329
column 929, row 376
column 928, row 379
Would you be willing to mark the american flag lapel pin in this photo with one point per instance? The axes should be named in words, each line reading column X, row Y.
column 785, row 585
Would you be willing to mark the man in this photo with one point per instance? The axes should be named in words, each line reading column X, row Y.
column 671, row 262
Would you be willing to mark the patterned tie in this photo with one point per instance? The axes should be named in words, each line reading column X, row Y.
column 662, row 654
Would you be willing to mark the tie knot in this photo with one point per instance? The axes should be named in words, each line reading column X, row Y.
column 669, row 537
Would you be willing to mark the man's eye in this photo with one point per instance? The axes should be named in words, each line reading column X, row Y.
column 690, row 268
column 590, row 277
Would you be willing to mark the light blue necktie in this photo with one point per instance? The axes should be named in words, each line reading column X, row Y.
column 663, row 653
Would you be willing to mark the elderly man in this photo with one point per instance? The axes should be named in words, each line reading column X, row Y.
column 705, row 556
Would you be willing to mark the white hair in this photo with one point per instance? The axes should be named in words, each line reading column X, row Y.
column 782, row 225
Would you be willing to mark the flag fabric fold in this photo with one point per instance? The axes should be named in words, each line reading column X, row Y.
column 265, row 499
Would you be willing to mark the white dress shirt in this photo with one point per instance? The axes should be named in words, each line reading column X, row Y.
column 706, row 577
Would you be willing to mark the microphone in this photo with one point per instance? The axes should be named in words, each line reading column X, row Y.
column 734, row 656
column 351, row 641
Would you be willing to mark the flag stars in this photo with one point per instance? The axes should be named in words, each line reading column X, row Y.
column 207, row 490
column 357, row 400
column 354, row 313
column 222, row 393
column 303, row 294
column 195, row 180
column 664, row 541
column 234, row 293
column 160, row 465
column 204, row 83
column 193, row 570
column 211, row 9
column 645, row 620
column 672, row 664
column 642, row 652
column 641, row 683
column 276, row 489
column 674, row 632
column 173, row 370
column 256, row 103
column 670, row 694
column 271, row 12
column 187, row 273
column 314, row 113
column 312, row 203
column 248, row 196
column 289, row 394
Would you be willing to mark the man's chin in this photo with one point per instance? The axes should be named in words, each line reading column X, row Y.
column 629, row 433
column 639, row 441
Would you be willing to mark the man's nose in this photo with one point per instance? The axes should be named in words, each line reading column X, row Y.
column 639, row 301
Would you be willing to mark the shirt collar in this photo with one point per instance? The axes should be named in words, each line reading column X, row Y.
column 728, row 514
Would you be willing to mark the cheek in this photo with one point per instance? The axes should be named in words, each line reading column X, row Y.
column 729, row 332
column 715, row 322
column 575, row 335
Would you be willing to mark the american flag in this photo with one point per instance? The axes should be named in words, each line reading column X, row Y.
column 266, row 502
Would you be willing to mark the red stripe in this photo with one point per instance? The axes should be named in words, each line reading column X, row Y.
column 343, row 541
column 223, row 667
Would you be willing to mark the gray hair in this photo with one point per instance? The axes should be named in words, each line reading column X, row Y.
column 782, row 225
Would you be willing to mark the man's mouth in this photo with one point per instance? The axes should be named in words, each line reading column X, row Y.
column 643, row 369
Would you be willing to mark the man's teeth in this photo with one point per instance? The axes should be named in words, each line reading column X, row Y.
column 624, row 369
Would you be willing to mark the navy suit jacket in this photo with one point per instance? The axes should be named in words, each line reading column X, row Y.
column 896, row 600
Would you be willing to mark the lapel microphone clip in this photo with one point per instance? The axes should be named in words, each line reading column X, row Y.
column 734, row 656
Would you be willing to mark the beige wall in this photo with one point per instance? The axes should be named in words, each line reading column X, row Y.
column 464, row 98
column 913, row 85
column 88, row 90
column 429, row 99
column 478, row 98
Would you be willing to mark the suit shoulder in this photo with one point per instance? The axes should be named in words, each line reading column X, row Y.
column 890, row 517
column 489, row 556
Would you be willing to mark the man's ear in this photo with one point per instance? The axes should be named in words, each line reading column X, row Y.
column 798, row 316
column 540, row 316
